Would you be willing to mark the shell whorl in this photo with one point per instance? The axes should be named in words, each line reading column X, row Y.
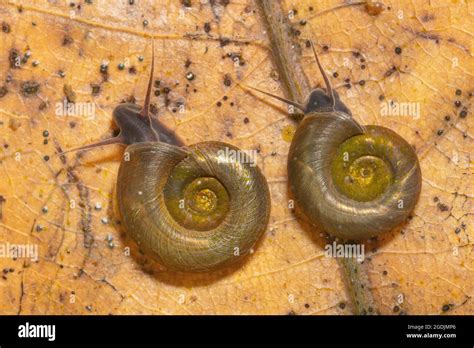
column 311, row 163
column 156, row 172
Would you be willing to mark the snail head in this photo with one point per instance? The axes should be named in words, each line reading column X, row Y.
column 136, row 123
column 319, row 100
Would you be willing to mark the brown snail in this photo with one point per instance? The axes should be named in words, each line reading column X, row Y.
column 354, row 181
column 192, row 208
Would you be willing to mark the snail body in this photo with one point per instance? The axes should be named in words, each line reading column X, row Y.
column 354, row 181
column 191, row 208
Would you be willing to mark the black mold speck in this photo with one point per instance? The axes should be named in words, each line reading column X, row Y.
column 390, row 71
column 458, row 92
column 186, row 3
column 95, row 89
column 463, row 114
column 227, row 80
column 29, row 88
column 398, row 50
column 132, row 70
column 446, row 307
column 443, row 207
column 67, row 40
column 457, row 103
column 440, row 131
column 207, row 27
column 13, row 58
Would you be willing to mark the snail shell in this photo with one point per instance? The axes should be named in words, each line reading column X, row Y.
column 355, row 183
column 225, row 204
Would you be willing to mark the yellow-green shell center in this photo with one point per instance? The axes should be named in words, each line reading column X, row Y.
column 199, row 204
column 359, row 170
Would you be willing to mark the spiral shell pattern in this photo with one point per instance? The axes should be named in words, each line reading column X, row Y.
column 223, row 196
column 366, row 189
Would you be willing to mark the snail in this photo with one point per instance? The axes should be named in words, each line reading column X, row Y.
column 354, row 181
column 192, row 208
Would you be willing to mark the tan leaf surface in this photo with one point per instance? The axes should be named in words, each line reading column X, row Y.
column 66, row 207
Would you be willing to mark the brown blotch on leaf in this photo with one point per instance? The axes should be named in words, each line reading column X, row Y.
column 69, row 93
column 6, row 27
column 3, row 91
column 2, row 200
column 14, row 124
column 427, row 17
column 43, row 105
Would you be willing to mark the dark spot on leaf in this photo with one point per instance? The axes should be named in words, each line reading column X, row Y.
column 29, row 88
column 15, row 59
column 227, row 80
column 3, row 91
column 69, row 93
column 67, row 40
column 6, row 27
column 443, row 207
column 95, row 89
